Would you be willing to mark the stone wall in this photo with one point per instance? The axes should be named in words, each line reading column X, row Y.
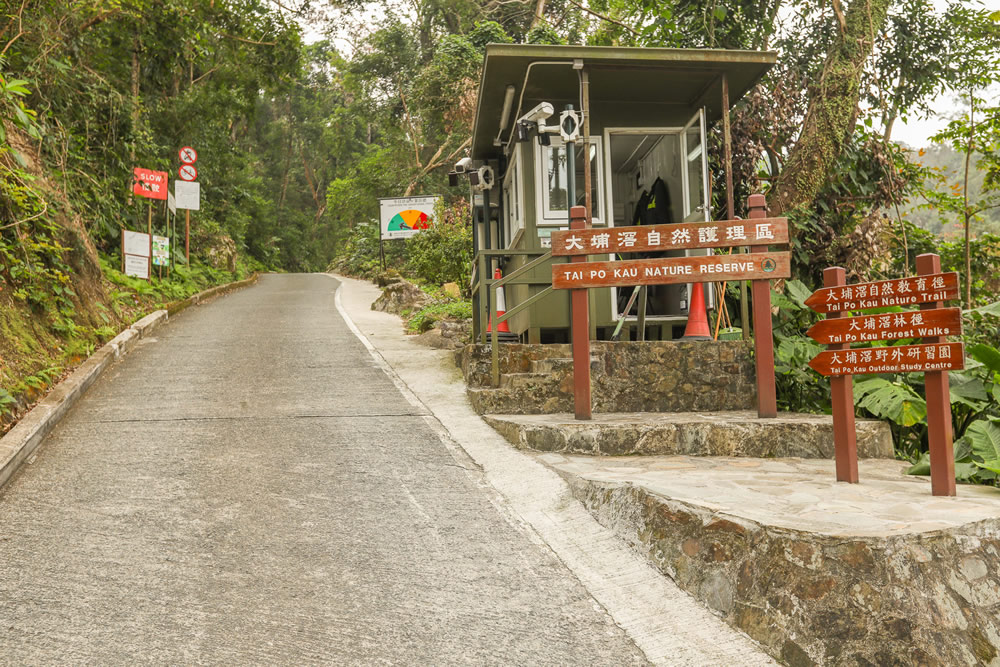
column 813, row 599
column 655, row 376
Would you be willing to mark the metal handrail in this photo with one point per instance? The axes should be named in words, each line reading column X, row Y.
column 483, row 285
column 494, row 343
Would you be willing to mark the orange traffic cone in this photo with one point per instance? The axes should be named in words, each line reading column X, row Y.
column 697, row 324
column 501, row 308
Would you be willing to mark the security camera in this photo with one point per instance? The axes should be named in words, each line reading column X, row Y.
column 463, row 165
column 539, row 113
column 485, row 177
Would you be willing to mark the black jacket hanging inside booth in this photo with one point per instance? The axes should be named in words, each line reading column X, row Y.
column 653, row 207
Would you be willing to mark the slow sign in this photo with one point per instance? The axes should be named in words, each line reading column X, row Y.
column 150, row 184
column 672, row 270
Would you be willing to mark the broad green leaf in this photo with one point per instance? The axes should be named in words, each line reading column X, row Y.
column 798, row 292
column 968, row 391
column 984, row 436
column 992, row 466
column 987, row 355
column 921, row 467
column 988, row 309
column 965, row 471
column 888, row 400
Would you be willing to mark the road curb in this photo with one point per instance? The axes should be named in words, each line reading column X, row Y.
column 21, row 441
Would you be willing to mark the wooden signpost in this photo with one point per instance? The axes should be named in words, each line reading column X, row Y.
column 934, row 356
column 761, row 266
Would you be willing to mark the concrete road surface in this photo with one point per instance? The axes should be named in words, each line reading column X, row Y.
column 248, row 487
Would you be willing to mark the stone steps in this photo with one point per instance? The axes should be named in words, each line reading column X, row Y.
column 729, row 433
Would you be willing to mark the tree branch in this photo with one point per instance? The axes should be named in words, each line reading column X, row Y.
column 248, row 41
column 604, row 18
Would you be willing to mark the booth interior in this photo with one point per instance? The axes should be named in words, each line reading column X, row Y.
column 648, row 112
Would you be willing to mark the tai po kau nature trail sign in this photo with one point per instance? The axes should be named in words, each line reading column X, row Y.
column 934, row 356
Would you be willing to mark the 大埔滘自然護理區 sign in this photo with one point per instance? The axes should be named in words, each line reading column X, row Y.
column 888, row 326
column 891, row 359
column 150, row 184
column 885, row 293
column 683, row 236
column 672, row 270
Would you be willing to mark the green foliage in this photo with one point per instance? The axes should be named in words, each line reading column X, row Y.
column 450, row 309
column 544, row 34
column 442, row 253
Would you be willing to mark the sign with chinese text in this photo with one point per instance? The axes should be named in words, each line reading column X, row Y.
column 188, row 195
column 892, row 359
column 671, row 270
column 150, row 184
column 402, row 217
column 884, row 293
column 135, row 254
column 889, row 326
column 722, row 234
column 161, row 251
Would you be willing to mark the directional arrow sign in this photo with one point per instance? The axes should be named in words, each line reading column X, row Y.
column 900, row 292
column 890, row 326
column 893, row 359
column 188, row 172
column 188, row 155
column 672, row 270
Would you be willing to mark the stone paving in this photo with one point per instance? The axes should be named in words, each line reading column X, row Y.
column 728, row 433
column 798, row 494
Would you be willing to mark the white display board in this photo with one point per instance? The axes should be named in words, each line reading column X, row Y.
column 402, row 217
column 188, row 195
column 137, row 266
column 135, row 243
column 135, row 254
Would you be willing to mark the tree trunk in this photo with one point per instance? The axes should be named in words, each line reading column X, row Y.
column 833, row 102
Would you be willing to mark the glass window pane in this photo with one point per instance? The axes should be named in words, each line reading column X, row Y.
column 555, row 161
column 694, row 165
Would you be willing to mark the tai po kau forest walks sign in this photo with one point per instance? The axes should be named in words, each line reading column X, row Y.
column 934, row 356
column 761, row 266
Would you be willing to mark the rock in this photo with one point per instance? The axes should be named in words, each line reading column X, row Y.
column 452, row 290
column 400, row 297
column 222, row 253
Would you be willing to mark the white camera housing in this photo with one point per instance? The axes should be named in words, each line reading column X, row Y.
column 463, row 165
column 486, row 179
column 539, row 113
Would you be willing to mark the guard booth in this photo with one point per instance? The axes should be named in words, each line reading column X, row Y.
column 646, row 112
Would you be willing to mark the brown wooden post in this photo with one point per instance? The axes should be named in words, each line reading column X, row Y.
column 939, row 433
column 580, row 330
column 763, row 339
column 187, row 237
column 845, row 437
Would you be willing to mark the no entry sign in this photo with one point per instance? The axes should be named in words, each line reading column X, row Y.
column 150, row 184
column 672, row 270
column 188, row 155
column 188, row 172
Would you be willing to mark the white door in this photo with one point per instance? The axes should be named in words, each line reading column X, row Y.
column 694, row 169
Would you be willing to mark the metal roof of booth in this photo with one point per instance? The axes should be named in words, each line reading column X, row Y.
column 685, row 78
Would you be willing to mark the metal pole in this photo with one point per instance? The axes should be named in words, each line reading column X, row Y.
column 727, row 158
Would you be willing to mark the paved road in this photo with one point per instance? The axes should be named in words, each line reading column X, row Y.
column 249, row 487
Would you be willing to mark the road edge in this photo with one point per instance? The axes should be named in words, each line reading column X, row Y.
column 666, row 623
column 18, row 444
